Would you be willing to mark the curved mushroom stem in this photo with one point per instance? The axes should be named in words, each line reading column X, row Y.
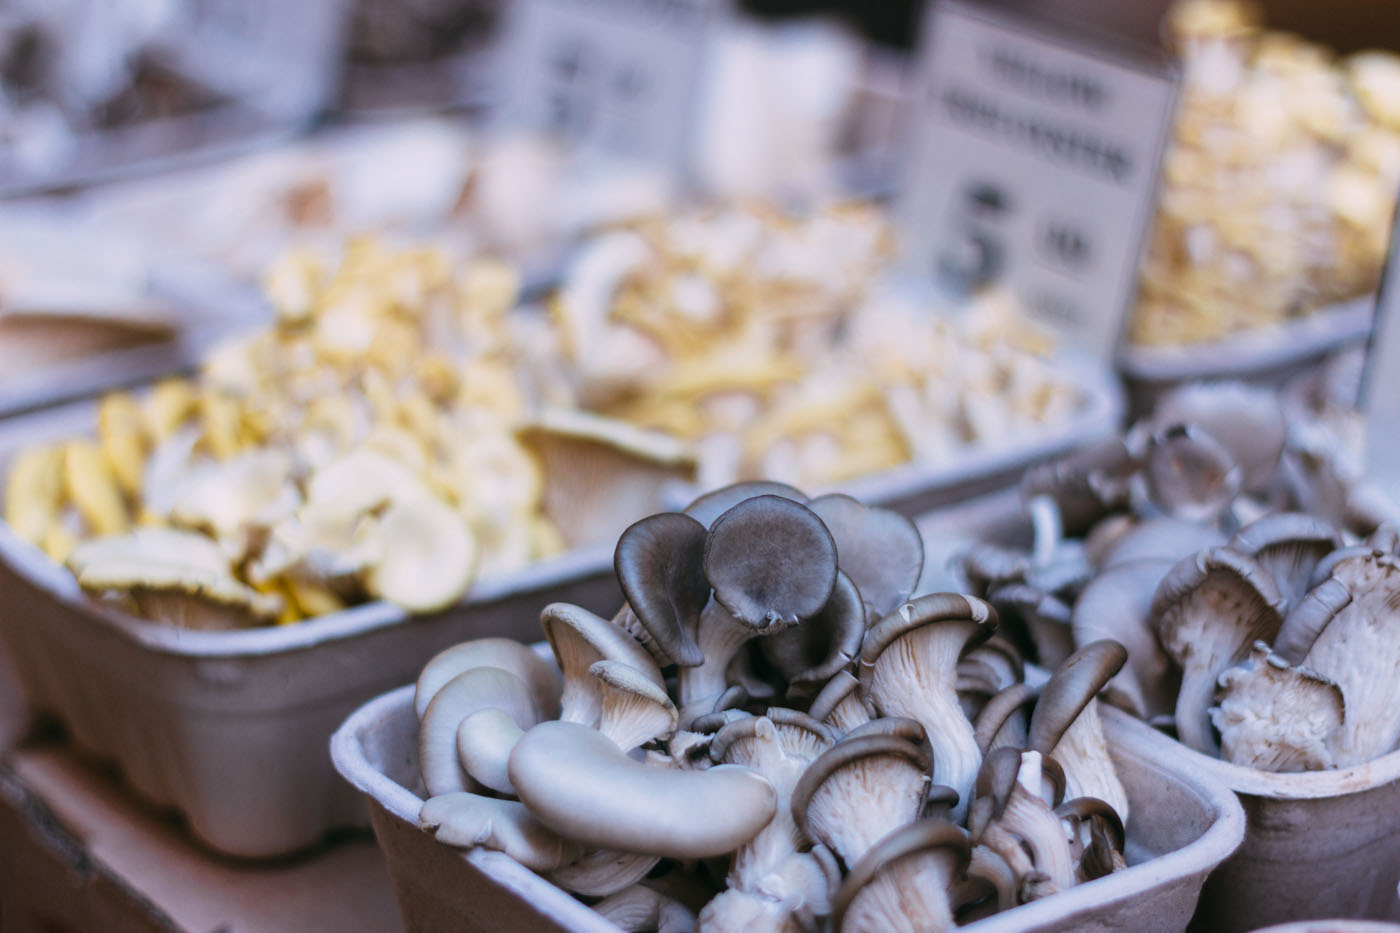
column 639, row 908
column 602, row 872
column 1048, row 527
column 1089, row 772
column 720, row 636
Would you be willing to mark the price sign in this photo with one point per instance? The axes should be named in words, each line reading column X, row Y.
column 619, row 77
column 1033, row 162
column 1380, row 383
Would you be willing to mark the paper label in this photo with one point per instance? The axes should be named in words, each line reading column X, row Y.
column 619, row 77
column 1380, row 383
column 1033, row 161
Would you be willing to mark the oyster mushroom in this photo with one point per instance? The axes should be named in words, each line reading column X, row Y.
column 808, row 655
column 1248, row 421
column 659, row 564
column 1096, row 835
column 1044, row 617
column 579, row 639
column 1289, row 546
column 1065, row 724
column 879, row 549
column 1115, row 605
column 1190, row 474
column 178, row 577
column 505, row 653
column 839, row 704
column 859, row 790
column 1357, row 650
column 640, row 909
column 903, row 882
column 471, row 691
column 1276, row 717
column 580, row 784
column 1002, row 720
column 428, row 555
column 470, row 820
column 712, row 505
column 1161, row 537
column 908, row 667
column 634, row 709
column 1020, row 825
column 1207, row 612
column 600, row 474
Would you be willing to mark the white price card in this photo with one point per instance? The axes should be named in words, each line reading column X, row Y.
column 1380, row 382
column 1033, row 161
column 616, row 77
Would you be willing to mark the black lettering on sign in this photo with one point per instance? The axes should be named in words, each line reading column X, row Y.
column 1045, row 82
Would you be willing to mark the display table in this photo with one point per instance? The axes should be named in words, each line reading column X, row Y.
column 78, row 854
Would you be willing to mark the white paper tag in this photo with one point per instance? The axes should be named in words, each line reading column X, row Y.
column 616, row 77
column 1033, row 161
column 1380, row 383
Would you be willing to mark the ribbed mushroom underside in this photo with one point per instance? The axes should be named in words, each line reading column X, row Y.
column 864, row 801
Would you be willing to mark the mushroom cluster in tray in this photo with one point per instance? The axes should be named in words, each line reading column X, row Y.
column 373, row 442
column 771, row 734
column 1254, row 584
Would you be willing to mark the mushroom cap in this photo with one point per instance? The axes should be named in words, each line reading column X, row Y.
column 1115, row 605
column 985, row 566
column 797, row 732
column 771, row 562
column 1092, row 808
column 580, row 784
column 841, row 685
column 1289, row 545
column 879, row 549
column 978, row 617
column 1190, row 474
column 635, row 709
column 1083, row 484
column 1248, row 421
column 852, row 750
column 1309, row 617
column 578, row 639
column 1239, row 583
column 1162, row 537
column 995, row 713
column 1275, row 716
column 918, row 838
column 506, row 653
column 812, row 653
column 712, row 505
column 470, row 820
column 660, row 564
column 1070, row 689
column 469, row 692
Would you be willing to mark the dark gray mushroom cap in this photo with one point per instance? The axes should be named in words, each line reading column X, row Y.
column 576, row 781
column 771, row 562
column 659, row 563
column 977, row 617
column 841, row 685
column 712, row 505
column 921, row 837
column 995, row 713
column 809, row 654
column 900, row 727
column 1190, row 474
column 848, row 751
column 1092, row 808
column 879, row 549
column 995, row 780
column 1288, row 545
column 711, row 723
column 941, row 796
column 1069, row 690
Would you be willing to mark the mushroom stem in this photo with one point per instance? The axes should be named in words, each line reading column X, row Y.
column 720, row 636
column 1048, row 527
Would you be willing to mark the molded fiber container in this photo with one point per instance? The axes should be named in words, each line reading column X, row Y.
column 1183, row 825
column 1318, row 845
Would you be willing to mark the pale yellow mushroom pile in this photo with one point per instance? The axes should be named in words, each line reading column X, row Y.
column 759, row 339
column 1278, row 186
column 363, row 446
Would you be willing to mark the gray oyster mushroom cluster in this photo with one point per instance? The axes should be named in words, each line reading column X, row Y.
column 771, row 734
column 1256, row 589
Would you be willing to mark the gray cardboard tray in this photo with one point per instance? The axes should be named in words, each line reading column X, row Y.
column 229, row 728
column 1184, row 824
column 1269, row 355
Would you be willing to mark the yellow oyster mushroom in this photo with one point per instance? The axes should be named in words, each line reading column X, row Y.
column 489, row 288
column 293, row 286
column 59, row 542
column 177, row 577
column 121, row 432
column 92, row 487
column 169, row 405
column 34, row 492
column 222, row 423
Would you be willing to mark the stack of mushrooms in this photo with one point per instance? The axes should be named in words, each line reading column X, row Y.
column 1254, row 589
column 771, row 735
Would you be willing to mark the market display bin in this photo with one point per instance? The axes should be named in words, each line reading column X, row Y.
column 1184, row 824
column 1269, row 355
column 1318, row 844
